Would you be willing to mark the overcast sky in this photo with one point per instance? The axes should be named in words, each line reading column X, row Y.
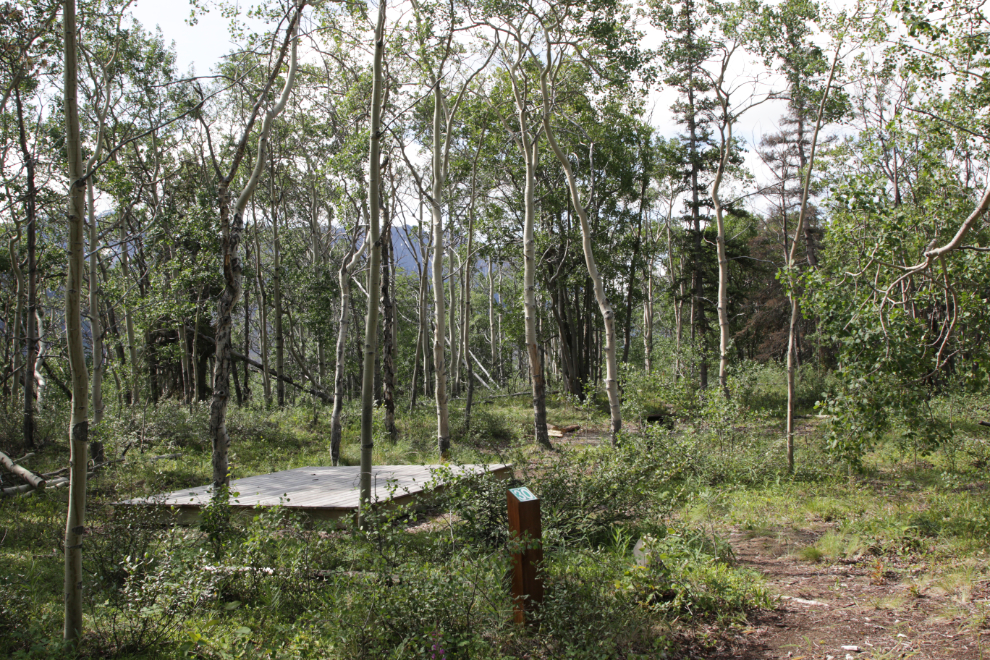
column 201, row 45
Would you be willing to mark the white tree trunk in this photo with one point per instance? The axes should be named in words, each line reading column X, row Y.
column 529, row 147
column 723, row 259
column 231, row 229
column 440, row 331
column 374, row 266
column 75, row 524
column 791, row 257
column 611, row 361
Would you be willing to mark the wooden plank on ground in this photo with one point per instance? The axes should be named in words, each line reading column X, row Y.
column 320, row 491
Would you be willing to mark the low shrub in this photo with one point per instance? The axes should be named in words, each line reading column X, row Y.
column 684, row 572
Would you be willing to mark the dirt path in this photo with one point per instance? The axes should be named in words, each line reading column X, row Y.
column 874, row 608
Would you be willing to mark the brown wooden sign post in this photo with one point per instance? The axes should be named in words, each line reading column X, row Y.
column 524, row 524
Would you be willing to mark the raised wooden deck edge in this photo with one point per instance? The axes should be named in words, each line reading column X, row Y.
column 188, row 514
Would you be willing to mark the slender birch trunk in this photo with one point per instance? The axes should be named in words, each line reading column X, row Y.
column 318, row 262
column 135, row 382
column 195, row 349
column 677, row 278
column 648, row 320
column 15, row 326
column 339, row 377
column 723, row 259
column 529, row 146
column 277, row 295
column 608, row 316
column 791, row 258
column 94, row 316
column 94, row 289
column 247, row 332
column 374, row 266
column 231, row 229
column 388, row 327
column 187, row 363
column 440, row 331
column 453, row 276
column 31, row 281
column 421, row 339
column 498, row 338
column 466, row 296
column 627, row 338
column 491, row 311
column 75, row 524
column 263, row 311
column 422, row 335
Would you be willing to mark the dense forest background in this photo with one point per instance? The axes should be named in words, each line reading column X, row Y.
column 735, row 242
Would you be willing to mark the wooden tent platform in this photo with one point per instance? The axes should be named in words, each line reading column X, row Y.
column 323, row 493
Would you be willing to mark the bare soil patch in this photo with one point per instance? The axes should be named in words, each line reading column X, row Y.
column 871, row 606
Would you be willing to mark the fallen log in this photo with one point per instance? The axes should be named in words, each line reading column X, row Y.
column 27, row 489
column 30, row 477
column 984, row 423
column 15, row 490
column 502, row 396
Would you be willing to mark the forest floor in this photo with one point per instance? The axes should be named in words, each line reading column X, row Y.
column 888, row 561
column 859, row 608
column 862, row 577
column 872, row 575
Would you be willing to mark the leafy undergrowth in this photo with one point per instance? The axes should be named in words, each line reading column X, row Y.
column 637, row 561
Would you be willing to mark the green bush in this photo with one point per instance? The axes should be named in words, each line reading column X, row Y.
column 585, row 493
column 688, row 573
column 584, row 615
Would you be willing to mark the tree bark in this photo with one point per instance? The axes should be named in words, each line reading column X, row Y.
column 374, row 267
column 723, row 259
column 340, row 377
column 791, row 265
column 16, row 367
column 94, row 320
column 263, row 311
column 627, row 339
column 135, row 382
column 528, row 144
column 247, row 333
column 75, row 524
column 608, row 317
column 231, row 229
column 466, row 295
column 648, row 321
column 277, row 293
column 422, row 335
column 31, row 280
column 388, row 329
column 440, row 330
column 492, row 339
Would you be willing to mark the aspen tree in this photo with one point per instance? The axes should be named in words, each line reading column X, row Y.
column 75, row 522
column 528, row 144
column 374, row 265
column 28, row 281
column 442, row 124
column 791, row 265
column 231, row 229
column 604, row 306
column 344, row 275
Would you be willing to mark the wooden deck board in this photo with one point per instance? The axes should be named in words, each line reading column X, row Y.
column 324, row 492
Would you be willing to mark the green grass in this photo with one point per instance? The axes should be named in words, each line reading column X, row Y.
column 281, row 588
